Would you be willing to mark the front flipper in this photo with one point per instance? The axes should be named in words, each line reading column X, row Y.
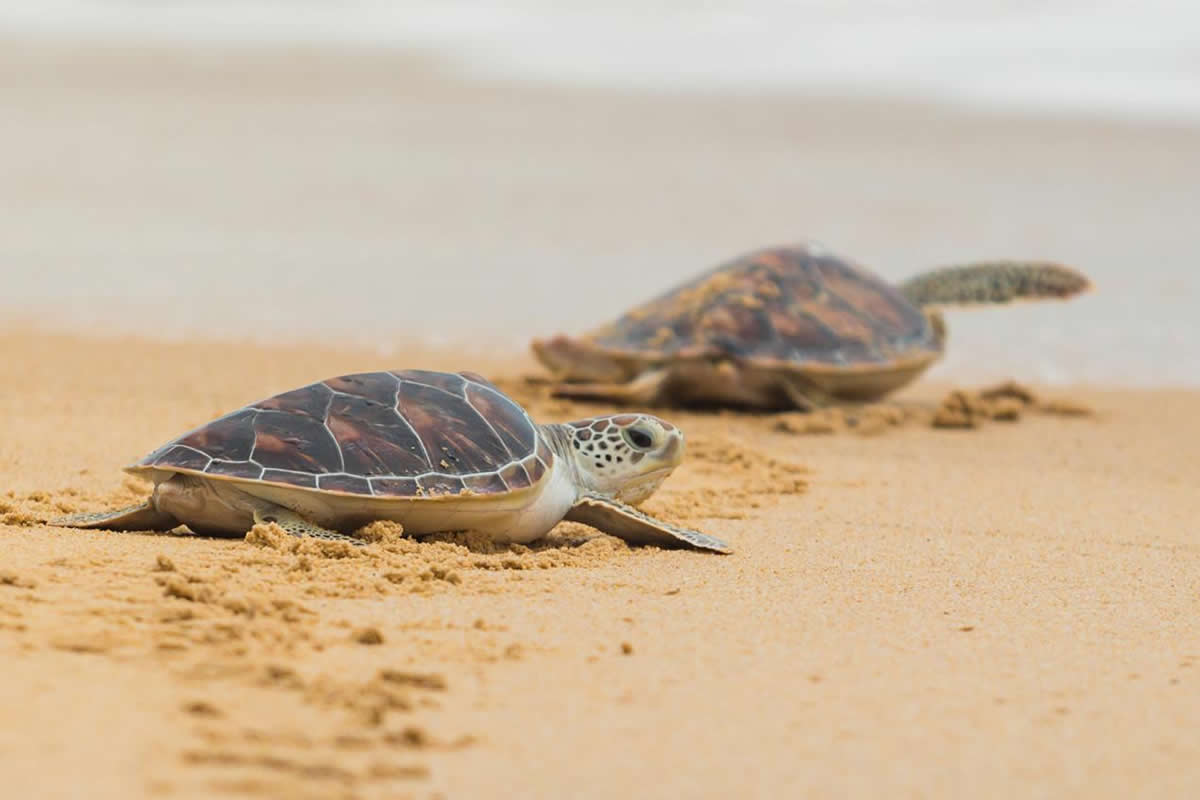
column 646, row 389
column 626, row 522
column 297, row 525
column 143, row 517
column 803, row 393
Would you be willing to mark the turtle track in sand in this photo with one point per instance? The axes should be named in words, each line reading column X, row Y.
column 251, row 630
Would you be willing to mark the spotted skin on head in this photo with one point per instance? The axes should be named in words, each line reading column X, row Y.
column 600, row 442
column 624, row 456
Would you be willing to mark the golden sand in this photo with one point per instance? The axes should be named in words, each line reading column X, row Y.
column 1006, row 609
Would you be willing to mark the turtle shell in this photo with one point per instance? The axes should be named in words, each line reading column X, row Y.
column 798, row 304
column 382, row 434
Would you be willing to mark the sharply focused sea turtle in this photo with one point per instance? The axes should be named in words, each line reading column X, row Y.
column 433, row 451
column 788, row 327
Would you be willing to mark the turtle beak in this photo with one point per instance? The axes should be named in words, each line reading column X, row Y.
column 673, row 451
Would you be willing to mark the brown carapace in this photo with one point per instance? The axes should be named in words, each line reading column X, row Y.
column 786, row 327
column 380, row 434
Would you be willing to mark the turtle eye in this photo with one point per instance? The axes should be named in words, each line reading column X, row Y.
column 639, row 437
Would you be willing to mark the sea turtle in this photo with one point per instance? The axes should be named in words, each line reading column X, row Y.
column 433, row 451
column 783, row 328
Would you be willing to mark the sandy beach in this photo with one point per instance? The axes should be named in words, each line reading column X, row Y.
column 1009, row 610
column 1005, row 611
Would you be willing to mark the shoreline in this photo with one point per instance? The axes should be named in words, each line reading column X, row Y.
column 511, row 43
column 368, row 196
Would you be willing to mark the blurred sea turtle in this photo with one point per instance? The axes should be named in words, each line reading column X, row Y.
column 433, row 451
column 786, row 327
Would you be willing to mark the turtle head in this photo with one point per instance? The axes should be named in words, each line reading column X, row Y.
column 624, row 456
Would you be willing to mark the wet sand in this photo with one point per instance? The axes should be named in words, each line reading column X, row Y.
column 1005, row 611
column 359, row 195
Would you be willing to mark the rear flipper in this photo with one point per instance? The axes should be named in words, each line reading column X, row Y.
column 297, row 525
column 626, row 522
column 143, row 517
column 993, row 282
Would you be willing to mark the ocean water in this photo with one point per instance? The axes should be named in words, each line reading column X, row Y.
column 1123, row 57
column 130, row 215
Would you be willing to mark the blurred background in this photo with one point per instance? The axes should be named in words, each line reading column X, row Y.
column 474, row 173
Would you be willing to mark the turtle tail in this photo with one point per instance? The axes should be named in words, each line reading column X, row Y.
column 993, row 282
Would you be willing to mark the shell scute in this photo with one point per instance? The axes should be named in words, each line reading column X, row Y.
column 309, row 401
column 294, row 442
column 534, row 468
column 451, row 430
column 475, row 377
column 230, row 438
column 838, row 321
column 236, row 469
column 880, row 308
column 484, row 484
column 434, row 485
column 375, row 387
column 507, row 419
column 515, row 477
column 394, row 487
column 351, row 484
column 446, row 381
column 544, row 453
column 374, row 439
column 178, row 456
column 301, row 479
column 797, row 324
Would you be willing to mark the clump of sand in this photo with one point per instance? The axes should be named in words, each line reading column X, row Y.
column 959, row 408
column 446, row 557
column 1005, row 402
column 10, row 578
column 868, row 420
column 271, row 536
